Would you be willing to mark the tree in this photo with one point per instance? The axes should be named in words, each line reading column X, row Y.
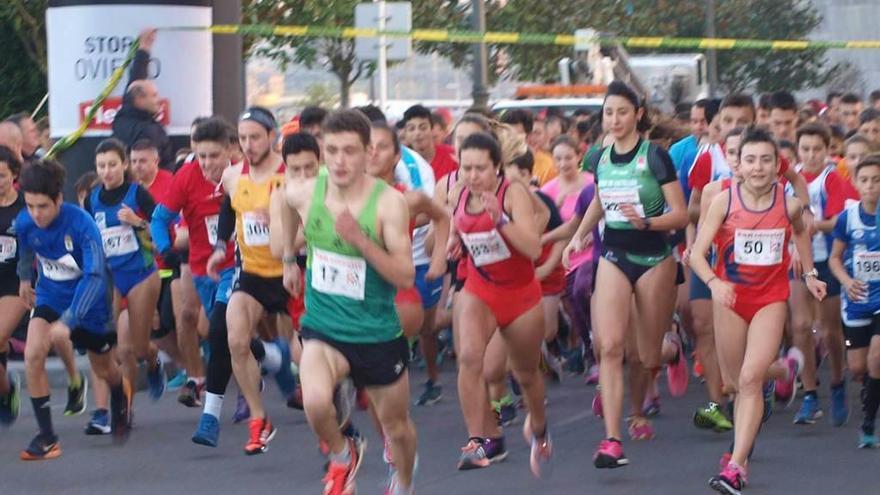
column 336, row 55
column 22, row 79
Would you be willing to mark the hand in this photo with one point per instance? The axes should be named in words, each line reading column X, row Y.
column 491, row 205
column 632, row 215
column 686, row 257
column 127, row 215
column 856, row 290
column 214, row 261
column 348, row 229
column 542, row 272
column 566, row 253
column 292, row 279
column 147, row 38
column 453, row 246
column 26, row 293
column 817, row 288
column 436, row 270
column 722, row 292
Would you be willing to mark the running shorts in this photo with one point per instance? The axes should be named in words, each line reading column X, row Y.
column 84, row 339
column 371, row 365
column 269, row 292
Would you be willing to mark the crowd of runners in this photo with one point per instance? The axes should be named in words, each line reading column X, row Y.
column 327, row 254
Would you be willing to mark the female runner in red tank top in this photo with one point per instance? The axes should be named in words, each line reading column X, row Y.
column 494, row 219
column 750, row 224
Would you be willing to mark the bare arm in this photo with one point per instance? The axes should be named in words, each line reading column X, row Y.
column 709, row 227
column 802, row 241
column 521, row 231
column 695, row 205
column 420, row 204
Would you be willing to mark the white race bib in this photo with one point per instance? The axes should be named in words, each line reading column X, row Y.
column 613, row 198
column 63, row 269
column 338, row 275
column 486, row 247
column 256, row 228
column 8, row 248
column 866, row 266
column 119, row 240
column 211, row 226
column 759, row 247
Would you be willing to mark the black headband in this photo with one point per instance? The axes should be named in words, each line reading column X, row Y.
column 259, row 116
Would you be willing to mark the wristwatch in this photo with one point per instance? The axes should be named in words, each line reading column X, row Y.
column 810, row 274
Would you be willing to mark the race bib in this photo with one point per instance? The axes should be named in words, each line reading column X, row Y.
column 759, row 247
column 866, row 266
column 486, row 247
column 613, row 198
column 211, row 226
column 256, row 228
column 119, row 240
column 63, row 269
column 338, row 275
column 8, row 248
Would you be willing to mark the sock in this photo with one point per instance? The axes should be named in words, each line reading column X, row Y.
column 76, row 381
column 213, row 404
column 871, row 403
column 44, row 415
column 272, row 359
column 343, row 457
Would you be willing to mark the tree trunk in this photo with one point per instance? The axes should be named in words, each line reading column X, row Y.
column 344, row 90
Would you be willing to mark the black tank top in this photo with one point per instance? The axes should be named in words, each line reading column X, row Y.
column 8, row 243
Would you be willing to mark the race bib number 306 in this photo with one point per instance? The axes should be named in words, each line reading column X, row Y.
column 338, row 275
column 866, row 266
column 256, row 228
column 759, row 247
column 613, row 198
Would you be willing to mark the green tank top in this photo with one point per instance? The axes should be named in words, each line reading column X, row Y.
column 345, row 298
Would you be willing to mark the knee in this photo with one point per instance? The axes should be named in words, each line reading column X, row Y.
column 801, row 327
column 316, row 401
column 611, row 350
column 750, row 381
column 124, row 351
column 35, row 357
column 857, row 369
column 189, row 318
column 239, row 343
column 397, row 427
column 470, row 359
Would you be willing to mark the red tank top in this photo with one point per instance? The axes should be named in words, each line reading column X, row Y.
column 753, row 248
column 490, row 255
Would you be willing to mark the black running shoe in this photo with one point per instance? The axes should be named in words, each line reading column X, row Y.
column 76, row 397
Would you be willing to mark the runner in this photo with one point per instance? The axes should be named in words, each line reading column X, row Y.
column 828, row 195
column 501, row 292
column 258, row 290
column 119, row 208
column 636, row 183
column 70, row 298
column 196, row 194
column 854, row 150
column 14, row 307
column 855, row 262
column 417, row 123
column 750, row 225
column 356, row 228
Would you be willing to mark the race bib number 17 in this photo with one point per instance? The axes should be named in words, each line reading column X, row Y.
column 338, row 275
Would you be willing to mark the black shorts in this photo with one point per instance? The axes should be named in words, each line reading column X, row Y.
column 269, row 292
column 165, row 307
column 371, row 365
column 83, row 340
column 860, row 337
column 8, row 283
column 633, row 271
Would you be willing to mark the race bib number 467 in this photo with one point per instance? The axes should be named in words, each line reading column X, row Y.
column 759, row 247
column 338, row 275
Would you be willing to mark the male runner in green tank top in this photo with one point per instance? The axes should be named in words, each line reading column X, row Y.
column 359, row 253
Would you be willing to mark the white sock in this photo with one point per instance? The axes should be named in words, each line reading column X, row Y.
column 343, row 457
column 272, row 359
column 213, row 404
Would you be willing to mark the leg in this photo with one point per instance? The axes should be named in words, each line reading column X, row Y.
column 655, row 301
column 391, row 404
column 473, row 335
column 142, row 301
column 701, row 311
column 322, row 367
column 187, row 310
column 242, row 316
column 802, row 316
column 411, row 317
column 832, row 334
column 13, row 310
column 428, row 344
column 494, row 373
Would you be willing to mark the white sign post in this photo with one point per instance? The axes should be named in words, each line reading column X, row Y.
column 381, row 15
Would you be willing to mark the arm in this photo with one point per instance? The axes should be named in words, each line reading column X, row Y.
column 90, row 288
column 420, row 204
column 225, row 224
column 276, row 223
column 564, row 232
column 722, row 291
column 138, row 69
column 542, row 213
column 804, row 247
column 552, row 261
column 521, row 231
column 855, row 289
column 145, row 204
column 290, row 222
column 695, row 206
column 160, row 225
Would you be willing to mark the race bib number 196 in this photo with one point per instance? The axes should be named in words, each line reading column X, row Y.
column 759, row 247
column 338, row 275
column 866, row 265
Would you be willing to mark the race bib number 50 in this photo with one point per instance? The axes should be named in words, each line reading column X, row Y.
column 338, row 275
column 759, row 247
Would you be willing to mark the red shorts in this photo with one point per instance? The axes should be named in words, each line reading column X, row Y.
column 295, row 308
column 507, row 304
column 555, row 283
column 746, row 306
column 408, row 296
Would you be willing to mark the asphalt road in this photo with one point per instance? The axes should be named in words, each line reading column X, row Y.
column 160, row 458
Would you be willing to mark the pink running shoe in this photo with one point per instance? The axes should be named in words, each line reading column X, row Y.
column 677, row 374
column 730, row 481
column 640, row 429
column 725, row 459
column 597, row 404
column 785, row 388
column 609, row 455
column 593, row 375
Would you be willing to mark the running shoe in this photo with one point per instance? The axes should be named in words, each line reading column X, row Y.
column 867, row 440
column 156, row 380
column 597, row 403
column 730, row 481
column 42, row 447
column 505, row 411
column 76, row 397
column 609, row 455
column 121, row 414
column 839, row 406
column 711, row 418
column 262, row 432
column 432, row 394
column 785, row 388
column 393, row 487
column 191, row 393
column 343, row 401
column 386, row 452
column 339, row 479
column 295, row 401
column 208, row 431
column 100, row 423
column 494, row 449
column 640, row 428
column 473, row 455
column 177, row 381
column 242, row 410
column 651, row 407
column 697, row 368
column 10, row 404
column 284, row 377
column 592, row 375
column 554, row 364
column 677, row 375
column 769, row 394
column 809, row 412
column 541, row 455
